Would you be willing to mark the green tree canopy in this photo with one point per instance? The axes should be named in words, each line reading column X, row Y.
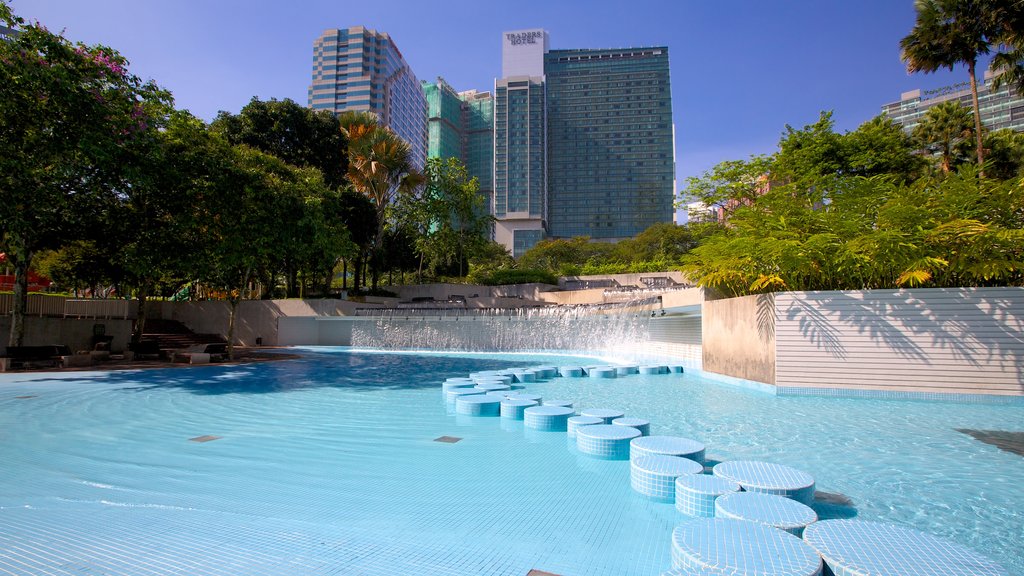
column 943, row 130
column 69, row 110
column 296, row 134
column 949, row 33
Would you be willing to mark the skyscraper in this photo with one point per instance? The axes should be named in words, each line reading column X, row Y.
column 461, row 125
column 583, row 142
column 362, row 70
column 611, row 162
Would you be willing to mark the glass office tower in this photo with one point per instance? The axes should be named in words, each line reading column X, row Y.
column 363, row 70
column 584, row 143
column 461, row 125
column 611, row 166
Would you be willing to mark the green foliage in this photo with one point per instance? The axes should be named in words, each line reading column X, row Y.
column 875, row 233
column 487, row 259
column 296, row 134
column 69, row 112
column 944, row 130
column 449, row 215
column 518, row 276
column 948, row 33
column 565, row 256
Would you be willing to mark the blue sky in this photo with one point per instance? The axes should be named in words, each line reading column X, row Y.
column 741, row 70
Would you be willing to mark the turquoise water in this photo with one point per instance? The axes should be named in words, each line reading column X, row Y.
column 327, row 465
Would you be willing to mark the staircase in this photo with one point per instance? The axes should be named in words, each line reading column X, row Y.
column 171, row 334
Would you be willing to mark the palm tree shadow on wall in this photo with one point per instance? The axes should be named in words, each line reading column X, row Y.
column 979, row 331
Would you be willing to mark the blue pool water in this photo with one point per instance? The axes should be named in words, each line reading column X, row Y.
column 328, row 465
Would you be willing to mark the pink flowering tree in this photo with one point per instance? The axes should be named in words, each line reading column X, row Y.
column 69, row 114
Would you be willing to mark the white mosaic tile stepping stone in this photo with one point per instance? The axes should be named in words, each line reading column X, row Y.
column 478, row 405
column 548, row 418
column 738, row 548
column 696, row 494
column 602, row 413
column 644, row 426
column 654, row 475
column 514, row 407
column 575, row 422
column 669, row 446
column 755, row 476
column 862, row 548
column 768, row 509
column 605, row 441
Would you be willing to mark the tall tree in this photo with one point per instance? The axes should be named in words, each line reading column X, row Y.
column 955, row 32
column 298, row 135
column 449, row 215
column 380, row 166
column 67, row 110
column 942, row 129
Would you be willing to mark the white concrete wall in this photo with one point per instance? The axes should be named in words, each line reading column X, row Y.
column 962, row 340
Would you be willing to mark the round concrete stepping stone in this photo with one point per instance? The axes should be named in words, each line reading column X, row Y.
column 548, row 418
column 602, row 413
column 524, row 376
column 676, row 369
column 696, row 493
column 739, row 548
column 576, row 422
column 651, row 369
column 513, row 407
column 447, row 385
column 755, row 476
column 570, row 371
column 626, row 370
column 562, row 403
column 545, row 372
column 478, row 405
column 669, row 446
column 768, row 509
column 492, row 387
column 493, row 380
column 601, row 372
column 862, row 548
column 644, row 426
column 605, row 441
column 525, row 396
column 654, row 475
column 499, row 394
column 451, row 395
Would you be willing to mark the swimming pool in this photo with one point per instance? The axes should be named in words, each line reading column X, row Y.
column 328, row 465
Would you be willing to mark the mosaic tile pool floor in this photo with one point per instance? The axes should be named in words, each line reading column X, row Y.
column 329, row 465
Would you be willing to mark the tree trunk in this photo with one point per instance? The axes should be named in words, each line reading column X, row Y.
column 140, row 323
column 977, row 118
column 344, row 274
column 231, row 326
column 20, row 263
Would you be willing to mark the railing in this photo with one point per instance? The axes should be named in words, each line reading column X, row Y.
column 37, row 305
column 97, row 308
column 63, row 307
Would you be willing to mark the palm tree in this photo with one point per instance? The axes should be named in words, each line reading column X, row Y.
column 379, row 166
column 943, row 128
column 951, row 32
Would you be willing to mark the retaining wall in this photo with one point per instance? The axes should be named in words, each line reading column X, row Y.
column 74, row 333
column 959, row 340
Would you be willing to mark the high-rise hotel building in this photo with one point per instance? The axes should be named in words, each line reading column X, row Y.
column 583, row 142
column 1002, row 108
column 362, row 70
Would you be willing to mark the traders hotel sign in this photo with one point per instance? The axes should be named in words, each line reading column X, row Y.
column 518, row 38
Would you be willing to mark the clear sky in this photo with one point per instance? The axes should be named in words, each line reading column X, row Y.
column 741, row 69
